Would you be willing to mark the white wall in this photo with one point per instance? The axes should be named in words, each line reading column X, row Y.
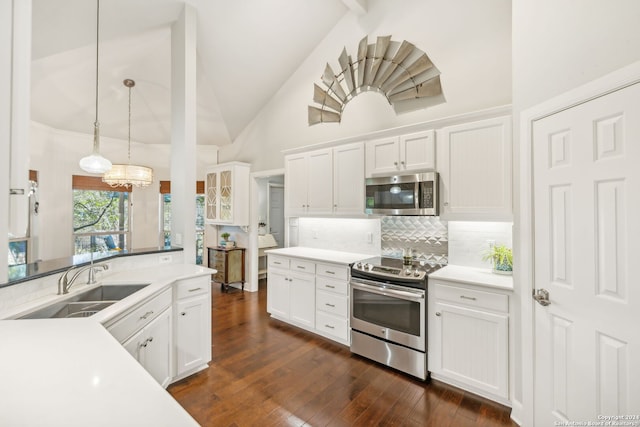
column 55, row 155
column 467, row 40
column 468, row 241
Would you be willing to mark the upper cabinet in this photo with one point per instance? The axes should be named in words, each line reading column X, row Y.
column 474, row 161
column 227, row 194
column 326, row 181
column 404, row 153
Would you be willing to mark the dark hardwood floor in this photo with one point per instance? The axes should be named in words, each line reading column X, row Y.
column 267, row 373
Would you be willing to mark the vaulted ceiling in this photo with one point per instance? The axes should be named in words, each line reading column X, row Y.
column 246, row 50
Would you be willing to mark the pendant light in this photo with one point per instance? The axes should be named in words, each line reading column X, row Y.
column 125, row 175
column 95, row 163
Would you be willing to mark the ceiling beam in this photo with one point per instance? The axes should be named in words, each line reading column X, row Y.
column 359, row 7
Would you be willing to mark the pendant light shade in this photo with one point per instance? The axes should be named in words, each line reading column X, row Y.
column 125, row 175
column 95, row 163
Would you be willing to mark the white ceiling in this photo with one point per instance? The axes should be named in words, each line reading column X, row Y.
column 246, row 51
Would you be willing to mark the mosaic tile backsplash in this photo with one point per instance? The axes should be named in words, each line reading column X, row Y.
column 427, row 236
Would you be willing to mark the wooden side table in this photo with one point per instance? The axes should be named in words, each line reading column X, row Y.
column 230, row 265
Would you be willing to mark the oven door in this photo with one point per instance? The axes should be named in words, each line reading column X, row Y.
column 393, row 313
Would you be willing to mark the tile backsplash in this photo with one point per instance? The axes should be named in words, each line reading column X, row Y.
column 339, row 234
column 427, row 236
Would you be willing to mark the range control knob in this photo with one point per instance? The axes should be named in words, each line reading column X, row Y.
column 416, row 273
column 359, row 265
column 368, row 267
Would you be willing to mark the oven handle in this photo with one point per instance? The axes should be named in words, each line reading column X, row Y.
column 405, row 295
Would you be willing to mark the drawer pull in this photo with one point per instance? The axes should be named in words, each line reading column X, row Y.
column 194, row 289
column 438, row 314
column 469, row 298
column 277, row 262
column 183, row 313
column 330, row 272
column 329, row 326
column 329, row 305
column 330, row 286
column 301, row 267
column 147, row 314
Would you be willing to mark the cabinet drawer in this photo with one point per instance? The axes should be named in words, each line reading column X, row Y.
column 332, row 303
column 140, row 316
column 335, row 271
column 472, row 297
column 192, row 287
column 303, row 266
column 332, row 325
column 218, row 256
column 330, row 285
column 278, row 261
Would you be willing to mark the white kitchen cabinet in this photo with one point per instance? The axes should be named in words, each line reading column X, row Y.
column 332, row 302
column 227, row 194
column 405, row 153
column 474, row 161
column 192, row 325
column 468, row 338
column 326, row 181
column 309, row 183
column 152, row 347
column 291, row 290
column 348, row 179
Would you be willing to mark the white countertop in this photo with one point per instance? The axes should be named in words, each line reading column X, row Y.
column 72, row 372
column 313, row 254
column 473, row 276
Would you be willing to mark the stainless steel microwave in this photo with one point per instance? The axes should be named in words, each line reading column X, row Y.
column 415, row 194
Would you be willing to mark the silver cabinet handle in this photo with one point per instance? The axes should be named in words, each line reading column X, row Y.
column 301, row 267
column 446, row 203
column 183, row 314
column 194, row 289
column 466, row 297
column 277, row 262
column 402, row 163
column 438, row 314
column 329, row 286
column 147, row 314
column 329, row 326
column 329, row 305
column 330, row 272
column 395, row 163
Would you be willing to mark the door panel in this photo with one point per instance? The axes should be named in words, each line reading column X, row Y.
column 586, row 196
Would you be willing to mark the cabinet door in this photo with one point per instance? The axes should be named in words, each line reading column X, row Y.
column 278, row 302
column 417, row 151
column 382, row 156
column 211, row 196
column 320, row 182
column 474, row 161
column 470, row 347
column 296, row 184
column 225, row 197
column 156, row 349
column 303, row 299
column 348, row 179
column 193, row 338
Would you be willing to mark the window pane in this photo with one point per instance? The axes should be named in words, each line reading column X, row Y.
column 99, row 243
column 200, row 212
column 100, row 211
column 18, row 252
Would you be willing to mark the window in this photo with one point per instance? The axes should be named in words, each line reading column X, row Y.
column 101, row 216
column 165, row 209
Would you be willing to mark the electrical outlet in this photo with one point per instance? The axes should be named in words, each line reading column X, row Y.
column 178, row 237
column 315, row 234
column 369, row 237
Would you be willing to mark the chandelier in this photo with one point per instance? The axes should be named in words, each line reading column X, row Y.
column 125, row 175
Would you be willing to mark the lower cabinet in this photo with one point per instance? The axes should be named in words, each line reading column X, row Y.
column 468, row 338
column 310, row 295
column 192, row 325
column 151, row 347
column 169, row 334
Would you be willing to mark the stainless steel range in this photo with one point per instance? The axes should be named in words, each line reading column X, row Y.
column 388, row 313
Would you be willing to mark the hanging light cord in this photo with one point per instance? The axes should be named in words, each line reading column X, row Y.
column 129, row 135
column 97, row 54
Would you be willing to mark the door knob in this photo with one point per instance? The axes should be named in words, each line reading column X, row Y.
column 541, row 296
column 438, row 314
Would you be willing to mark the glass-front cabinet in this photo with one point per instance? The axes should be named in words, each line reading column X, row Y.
column 227, row 194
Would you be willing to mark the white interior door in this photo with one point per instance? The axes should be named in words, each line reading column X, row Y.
column 276, row 213
column 586, row 175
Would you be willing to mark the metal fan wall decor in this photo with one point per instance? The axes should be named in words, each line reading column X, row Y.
column 398, row 70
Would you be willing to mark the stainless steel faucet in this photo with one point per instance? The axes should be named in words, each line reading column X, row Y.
column 64, row 283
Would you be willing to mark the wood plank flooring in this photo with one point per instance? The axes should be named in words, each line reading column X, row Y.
column 267, row 373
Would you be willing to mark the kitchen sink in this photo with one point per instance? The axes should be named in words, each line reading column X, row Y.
column 87, row 303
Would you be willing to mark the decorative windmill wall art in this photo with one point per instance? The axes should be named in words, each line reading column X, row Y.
column 398, row 70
